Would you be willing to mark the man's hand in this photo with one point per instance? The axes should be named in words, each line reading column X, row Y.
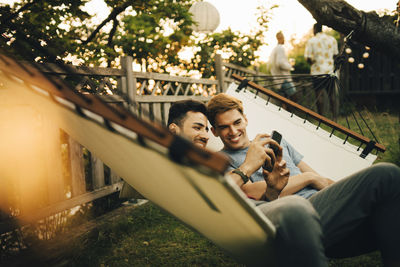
column 258, row 153
column 319, row 182
column 276, row 180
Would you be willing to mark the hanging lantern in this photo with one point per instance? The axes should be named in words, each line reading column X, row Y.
column 351, row 59
column 205, row 15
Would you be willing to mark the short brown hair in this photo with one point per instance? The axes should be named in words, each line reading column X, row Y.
column 221, row 103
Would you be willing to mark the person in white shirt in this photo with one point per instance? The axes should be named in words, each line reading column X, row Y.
column 280, row 65
column 320, row 52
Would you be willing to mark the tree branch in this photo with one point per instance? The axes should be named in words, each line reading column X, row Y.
column 368, row 28
column 110, row 38
column 16, row 13
column 113, row 15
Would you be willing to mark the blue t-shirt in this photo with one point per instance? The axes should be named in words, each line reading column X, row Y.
column 290, row 155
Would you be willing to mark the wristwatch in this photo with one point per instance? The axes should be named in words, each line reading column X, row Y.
column 244, row 177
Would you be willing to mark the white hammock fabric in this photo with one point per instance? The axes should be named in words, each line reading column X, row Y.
column 326, row 154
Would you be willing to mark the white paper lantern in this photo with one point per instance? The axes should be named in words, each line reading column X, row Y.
column 206, row 16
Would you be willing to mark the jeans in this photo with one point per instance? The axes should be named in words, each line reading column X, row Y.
column 356, row 215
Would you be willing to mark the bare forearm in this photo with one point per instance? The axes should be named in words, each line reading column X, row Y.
column 304, row 167
column 253, row 190
column 296, row 183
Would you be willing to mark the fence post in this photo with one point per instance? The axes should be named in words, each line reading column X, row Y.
column 55, row 179
column 78, row 182
column 126, row 64
column 97, row 172
column 219, row 71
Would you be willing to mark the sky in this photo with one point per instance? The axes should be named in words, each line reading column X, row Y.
column 290, row 17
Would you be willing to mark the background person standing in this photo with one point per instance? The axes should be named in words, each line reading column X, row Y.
column 320, row 52
column 280, row 65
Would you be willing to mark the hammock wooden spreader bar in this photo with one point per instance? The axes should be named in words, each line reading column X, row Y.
column 146, row 129
column 312, row 114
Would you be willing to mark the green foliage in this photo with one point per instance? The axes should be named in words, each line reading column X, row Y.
column 152, row 31
column 240, row 48
column 38, row 24
column 301, row 65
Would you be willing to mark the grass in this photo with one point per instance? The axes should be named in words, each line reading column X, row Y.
column 149, row 236
column 385, row 127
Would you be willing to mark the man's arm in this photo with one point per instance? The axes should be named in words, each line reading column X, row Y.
column 298, row 182
column 317, row 181
column 252, row 190
column 308, row 177
column 255, row 158
column 304, row 167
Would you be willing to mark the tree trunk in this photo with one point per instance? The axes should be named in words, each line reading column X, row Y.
column 369, row 28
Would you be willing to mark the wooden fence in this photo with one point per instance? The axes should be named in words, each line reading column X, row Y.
column 77, row 176
column 380, row 75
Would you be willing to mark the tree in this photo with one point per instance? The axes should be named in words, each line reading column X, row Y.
column 152, row 31
column 369, row 28
column 136, row 28
column 31, row 25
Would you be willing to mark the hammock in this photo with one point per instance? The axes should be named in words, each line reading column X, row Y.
column 191, row 187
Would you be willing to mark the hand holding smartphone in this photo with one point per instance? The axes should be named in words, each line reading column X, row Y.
column 278, row 138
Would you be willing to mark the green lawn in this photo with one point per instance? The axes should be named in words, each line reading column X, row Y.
column 149, row 236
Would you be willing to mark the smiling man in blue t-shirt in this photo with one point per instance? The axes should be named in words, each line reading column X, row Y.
column 316, row 218
column 229, row 123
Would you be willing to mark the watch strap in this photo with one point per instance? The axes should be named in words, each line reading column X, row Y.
column 244, row 177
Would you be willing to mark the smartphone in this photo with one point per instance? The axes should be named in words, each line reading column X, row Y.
column 278, row 138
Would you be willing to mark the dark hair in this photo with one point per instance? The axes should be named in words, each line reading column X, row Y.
column 178, row 110
column 317, row 28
